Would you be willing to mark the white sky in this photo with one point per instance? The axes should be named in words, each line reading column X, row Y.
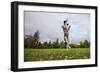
column 49, row 25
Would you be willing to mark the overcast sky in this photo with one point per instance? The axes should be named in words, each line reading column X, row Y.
column 49, row 25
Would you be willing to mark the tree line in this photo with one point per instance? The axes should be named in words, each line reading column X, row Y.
column 33, row 41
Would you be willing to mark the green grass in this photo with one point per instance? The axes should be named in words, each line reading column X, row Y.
column 56, row 54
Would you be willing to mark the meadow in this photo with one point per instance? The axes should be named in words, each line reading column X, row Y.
column 32, row 54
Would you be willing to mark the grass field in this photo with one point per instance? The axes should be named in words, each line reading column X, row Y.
column 55, row 54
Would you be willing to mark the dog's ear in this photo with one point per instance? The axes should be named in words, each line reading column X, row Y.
column 64, row 22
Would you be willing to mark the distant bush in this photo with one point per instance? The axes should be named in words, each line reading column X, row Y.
column 33, row 41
